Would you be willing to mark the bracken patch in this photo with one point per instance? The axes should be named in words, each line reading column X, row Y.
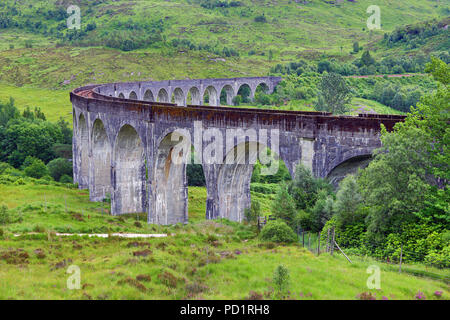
column 143, row 253
column 17, row 256
column 134, row 283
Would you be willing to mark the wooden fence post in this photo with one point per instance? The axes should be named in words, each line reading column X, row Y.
column 309, row 240
column 303, row 236
column 318, row 244
column 328, row 240
column 333, row 242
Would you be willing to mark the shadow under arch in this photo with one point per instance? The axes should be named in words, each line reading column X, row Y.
column 210, row 96
column 233, row 183
column 148, row 96
column 194, row 96
column 121, row 96
column 227, row 95
column 163, row 96
column 101, row 160
column 171, row 200
column 245, row 92
column 129, row 172
column 83, row 134
column 133, row 96
column 178, row 97
column 349, row 166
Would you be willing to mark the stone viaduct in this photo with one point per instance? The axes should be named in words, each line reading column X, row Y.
column 127, row 139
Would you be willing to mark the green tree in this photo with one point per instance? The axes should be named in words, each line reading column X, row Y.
column 283, row 206
column 278, row 231
column 35, row 168
column 281, row 281
column 322, row 210
column 366, row 58
column 334, row 94
column 348, row 201
column 410, row 172
column 59, row 167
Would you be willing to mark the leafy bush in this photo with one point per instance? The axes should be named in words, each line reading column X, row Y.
column 278, row 231
column 439, row 259
column 4, row 215
column 35, row 168
column 59, row 167
column 251, row 214
column 66, row 179
column 281, row 281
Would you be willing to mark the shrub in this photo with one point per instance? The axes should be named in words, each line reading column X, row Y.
column 439, row 259
column 36, row 168
column 4, row 215
column 281, row 280
column 277, row 231
column 59, row 167
column 65, row 179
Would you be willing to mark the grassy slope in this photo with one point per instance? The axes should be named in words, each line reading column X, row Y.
column 109, row 267
column 292, row 30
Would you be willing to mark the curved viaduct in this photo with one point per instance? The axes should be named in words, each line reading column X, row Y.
column 129, row 146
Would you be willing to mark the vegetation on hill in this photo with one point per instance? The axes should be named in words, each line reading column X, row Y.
column 399, row 202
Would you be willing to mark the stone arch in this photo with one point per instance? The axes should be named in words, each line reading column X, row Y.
column 101, row 161
column 348, row 166
column 121, row 96
column 83, row 136
column 227, row 95
column 263, row 88
column 178, row 97
column 163, row 96
column 133, row 96
column 129, row 172
column 245, row 91
column 213, row 97
column 148, row 96
column 233, row 182
column 195, row 96
column 171, row 201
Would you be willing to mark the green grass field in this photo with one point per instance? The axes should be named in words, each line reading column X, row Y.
column 200, row 260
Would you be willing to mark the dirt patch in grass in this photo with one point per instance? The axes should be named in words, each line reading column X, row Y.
column 169, row 280
column 136, row 244
column 143, row 253
column 40, row 254
column 134, row 283
column 17, row 256
column 61, row 264
column 143, row 278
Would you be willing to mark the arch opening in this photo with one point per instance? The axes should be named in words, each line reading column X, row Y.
column 227, row 95
column 148, row 96
column 244, row 93
column 194, row 96
column 349, row 166
column 163, row 96
column 101, row 160
column 253, row 162
column 210, row 96
column 262, row 88
column 121, row 96
column 129, row 188
column 133, row 96
column 171, row 191
column 178, row 97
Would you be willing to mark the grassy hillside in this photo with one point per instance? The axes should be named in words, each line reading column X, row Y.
column 200, row 260
column 290, row 30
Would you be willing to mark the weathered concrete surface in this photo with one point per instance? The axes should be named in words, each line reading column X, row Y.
column 128, row 148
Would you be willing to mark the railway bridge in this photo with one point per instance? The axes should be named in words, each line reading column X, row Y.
column 132, row 141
